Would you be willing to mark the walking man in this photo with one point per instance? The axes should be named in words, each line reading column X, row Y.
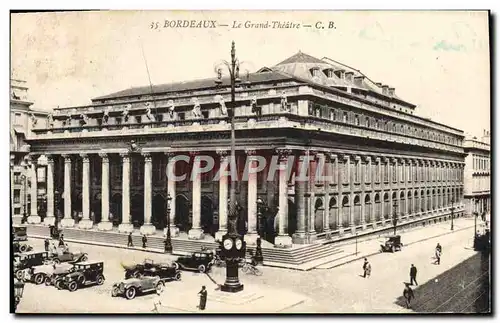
column 438, row 257
column 367, row 269
column 413, row 275
column 46, row 244
column 408, row 295
column 144, row 241
column 130, row 243
column 157, row 302
column 203, row 298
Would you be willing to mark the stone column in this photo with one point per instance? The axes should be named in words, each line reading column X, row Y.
column 252, row 235
column 362, row 179
column 50, row 219
column 196, row 233
column 67, row 221
column 283, row 239
column 147, row 228
column 171, row 191
column 311, row 233
column 223, row 195
column 389, row 182
column 85, row 223
column 300, row 187
column 34, row 218
column 105, row 225
column 125, row 226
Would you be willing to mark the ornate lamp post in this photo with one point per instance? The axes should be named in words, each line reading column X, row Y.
column 452, row 215
column 395, row 216
column 55, row 231
column 24, row 181
column 233, row 246
column 18, row 292
column 168, row 239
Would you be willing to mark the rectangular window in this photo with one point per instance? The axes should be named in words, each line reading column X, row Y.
column 345, row 172
column 356, row 120
column 357, row 165
column 344, row 117
column 394, row 173
column 205, row 114
column 17, row 196
column 182, row 115
column 386, row 172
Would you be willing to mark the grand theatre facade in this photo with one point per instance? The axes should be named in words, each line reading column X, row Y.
column 107, row 162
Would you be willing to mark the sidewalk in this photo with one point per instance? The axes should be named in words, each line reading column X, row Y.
column 369, row 248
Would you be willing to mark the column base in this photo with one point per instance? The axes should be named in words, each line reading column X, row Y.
column 374, row 225
column 353, row 229
column 363, row 226
column 251, row 238
column 219, row 234
column 174, row 231
column 34, row 219
column 85, row 224
column 67, row 223
column 148, row 229
column 341, row 231
column 283, row 241
column 50, row 220
column 195, row 234
column 125, row 227
column 299, row 238
column 17, row 219
column 105, row 226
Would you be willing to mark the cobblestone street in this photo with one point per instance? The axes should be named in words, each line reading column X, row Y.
column 337, row 290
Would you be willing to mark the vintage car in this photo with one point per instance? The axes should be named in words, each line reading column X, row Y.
column 19, row 232
column 27, row 260
column 392, row 244
column 68, row 256
column 150, row 268
column 43, row 273
column 201, row 261
column 21, row 247
column 131, row 287
column 84, row 274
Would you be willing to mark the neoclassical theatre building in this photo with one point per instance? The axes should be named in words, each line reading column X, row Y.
column 107, row 162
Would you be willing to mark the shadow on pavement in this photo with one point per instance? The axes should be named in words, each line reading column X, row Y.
column 464, row 288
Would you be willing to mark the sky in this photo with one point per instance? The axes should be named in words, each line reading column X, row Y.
column 438, row 61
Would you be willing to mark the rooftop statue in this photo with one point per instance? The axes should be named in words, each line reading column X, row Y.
column 197, row 109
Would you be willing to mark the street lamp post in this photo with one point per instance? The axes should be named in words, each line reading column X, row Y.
column 24, row 180
column 168, row 239
column 395, row 216
column 232, row 244
column 476, row 214
column 452, row 215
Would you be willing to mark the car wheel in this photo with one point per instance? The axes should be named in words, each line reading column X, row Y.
column 58, row 284
column 20, row 274
column 39, row 279
column 115, row 291
column 202, row 269
column 178, row 276
column 159, row 287
column 175, row 265
column 72, row 286
column 56, row 261
column 130, row 293
column 47, row 281
column 100, row 280
column 393, row 249
column 84, row 258
column 23, row 248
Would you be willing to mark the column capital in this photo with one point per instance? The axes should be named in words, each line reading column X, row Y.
column 223, row 154
column 332, row 156
column 378, row 159
column 34, row 158
column 357, row 158
column 386, row 159
column 194, row 153
column 367, row 158
column 169, row 154
column 346, row 157
column 50, row 158
column 283, row 153
column 85, row 157
column 103, row 155
column 250, row 151
column 147, row 157
column 67, row 158
column 125, row 157
column 394, row 160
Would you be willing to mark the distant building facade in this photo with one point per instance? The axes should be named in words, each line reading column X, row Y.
column 477, row 193
column 107, row 162
column 23, row 119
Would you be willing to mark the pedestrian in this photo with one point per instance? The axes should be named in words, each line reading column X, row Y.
column 203, row 298
column 483, row 216
column 413, row 275
column 130, row 242
column 157, row 302
column 438, row 257
column 408, row 294
column 144, row 241
column 438, row 247
column 46, row 244
column 366, row 268
column 61, row 240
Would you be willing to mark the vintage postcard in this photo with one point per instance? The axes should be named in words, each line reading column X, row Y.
column 250, row 162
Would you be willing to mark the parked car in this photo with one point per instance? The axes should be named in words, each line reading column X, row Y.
column 131, row 287
column 84, row 274
column 201, row 261
column 150, row 268
column 392, row 244
column 19, row 232
column 21, row 247
column 27, row 260
column 68, row 256
column 43, row 273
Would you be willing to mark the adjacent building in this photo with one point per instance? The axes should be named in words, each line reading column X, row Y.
column 107, row 161
column 477, row 182
column 23, row 120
